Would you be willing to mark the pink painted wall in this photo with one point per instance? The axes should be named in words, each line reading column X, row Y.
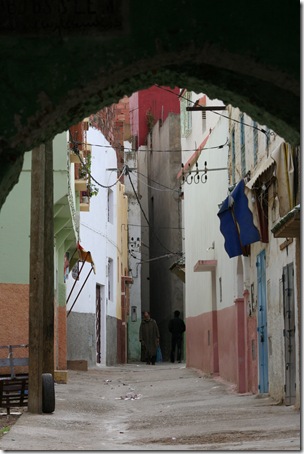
column 157, row 100
column 241, row 345
column 233, row 345
column 252, row 355
column 202, row 355
column 227, row 344
column 199, row 353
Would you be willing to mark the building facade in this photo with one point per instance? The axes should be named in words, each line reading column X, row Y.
column 240, row 280
column 15, row 241
column 98, row 301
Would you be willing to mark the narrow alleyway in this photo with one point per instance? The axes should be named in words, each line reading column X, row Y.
column 161, row 407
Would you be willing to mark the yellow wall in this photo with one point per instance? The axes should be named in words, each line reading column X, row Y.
column 122, row 242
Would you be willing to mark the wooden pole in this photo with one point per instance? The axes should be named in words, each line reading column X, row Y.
column 36, row 279
column 48, row 301
column 41, row 310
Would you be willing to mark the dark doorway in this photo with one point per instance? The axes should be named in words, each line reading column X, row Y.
column 289, row 334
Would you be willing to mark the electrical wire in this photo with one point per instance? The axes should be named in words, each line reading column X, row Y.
column 160, row 228
column 152, row 150
column 76, row 151
column 153, row 187
column 144, row 214
column 271, row 133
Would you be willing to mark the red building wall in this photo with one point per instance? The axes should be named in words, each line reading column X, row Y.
column 114, row 123
column 157, row 103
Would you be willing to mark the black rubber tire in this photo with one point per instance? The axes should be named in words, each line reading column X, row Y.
column 48, row 393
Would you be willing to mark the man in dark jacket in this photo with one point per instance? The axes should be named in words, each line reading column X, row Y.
column 177, row 328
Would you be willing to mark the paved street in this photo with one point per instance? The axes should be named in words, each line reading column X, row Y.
column 163, row 407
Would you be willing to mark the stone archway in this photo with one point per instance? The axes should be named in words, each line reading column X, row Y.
column 62, row 61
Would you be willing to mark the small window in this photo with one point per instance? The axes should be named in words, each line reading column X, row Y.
column 233, row 157
column 243, row 150
column 110, row 205
column 189, row 114
column 186, row 117
column 267, row 136
column 204, row 118
column 110, row 280
column 255, row 142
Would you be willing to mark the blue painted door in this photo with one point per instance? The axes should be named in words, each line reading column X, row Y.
column 262, row 323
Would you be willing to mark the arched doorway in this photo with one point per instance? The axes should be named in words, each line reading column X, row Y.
column 59, row 67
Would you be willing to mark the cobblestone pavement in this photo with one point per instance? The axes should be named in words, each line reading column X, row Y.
column 136, row 407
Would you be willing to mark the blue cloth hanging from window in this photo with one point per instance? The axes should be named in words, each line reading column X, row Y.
column 236, row 222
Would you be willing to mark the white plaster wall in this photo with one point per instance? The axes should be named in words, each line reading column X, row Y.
column 98, row 236
column 202, row 223
column 197, row 135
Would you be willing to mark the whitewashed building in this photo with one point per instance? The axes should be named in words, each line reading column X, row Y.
column 94, row 301
column 240, row 281
column 269, row 272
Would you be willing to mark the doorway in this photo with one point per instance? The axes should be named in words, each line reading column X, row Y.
column 262, row 323
column 289, row 334
column 98, row 323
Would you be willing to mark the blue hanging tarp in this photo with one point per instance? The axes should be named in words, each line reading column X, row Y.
column 236, row 222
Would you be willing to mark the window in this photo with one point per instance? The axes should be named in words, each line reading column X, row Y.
column 189, row 114
column 110, row 279
column 186, row 117
column 255, row 143
column 110, row 205
column 242, row 140
column 204, row 116
column 233, row 157
column 261, row 197
column 267, row 136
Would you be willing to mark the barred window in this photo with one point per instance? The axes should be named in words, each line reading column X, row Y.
column 186, row 117
column 233, row 157
column 243, row 150
column 204, row 116
column 255, row 142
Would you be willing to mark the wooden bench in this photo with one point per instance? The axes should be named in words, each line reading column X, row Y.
column 14, row 385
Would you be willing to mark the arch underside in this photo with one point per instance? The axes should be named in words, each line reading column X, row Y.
column 50, row 83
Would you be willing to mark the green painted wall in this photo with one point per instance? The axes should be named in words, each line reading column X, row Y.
column 15, row 219
column 15, row 229
column 60, row 166
column 134, row 346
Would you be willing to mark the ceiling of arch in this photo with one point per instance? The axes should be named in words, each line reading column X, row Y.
column 63, row 60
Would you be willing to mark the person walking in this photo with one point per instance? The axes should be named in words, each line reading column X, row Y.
column 176, row 327
column 149, row 337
